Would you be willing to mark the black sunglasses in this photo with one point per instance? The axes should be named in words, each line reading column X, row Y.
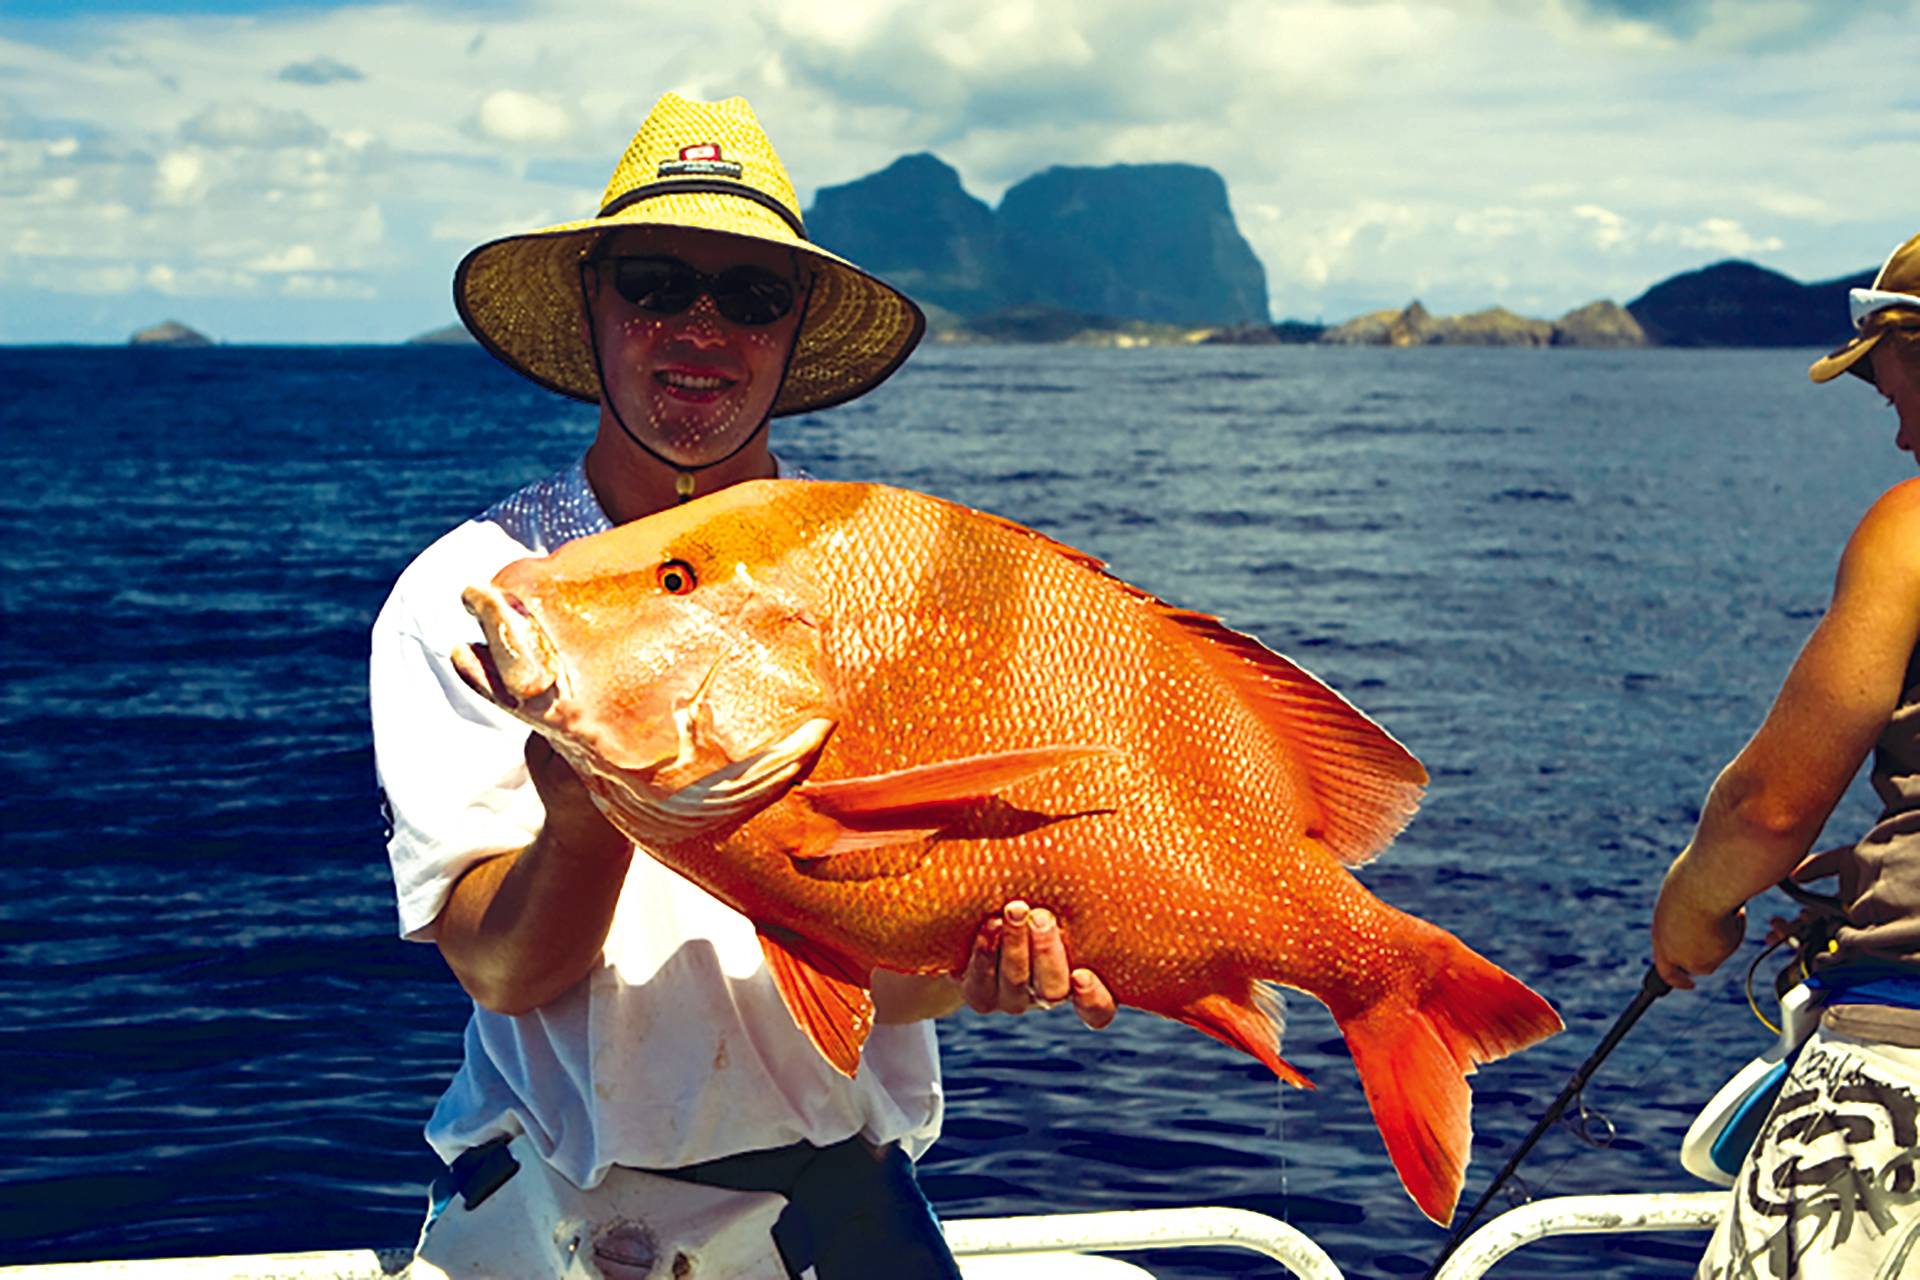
column 667, row 286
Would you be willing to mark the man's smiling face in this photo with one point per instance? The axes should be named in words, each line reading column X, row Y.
column 692, row 385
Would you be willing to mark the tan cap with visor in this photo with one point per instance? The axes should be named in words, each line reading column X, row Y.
column 1893, row 302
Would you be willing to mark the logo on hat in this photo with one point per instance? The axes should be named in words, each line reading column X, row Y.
column 701, row 160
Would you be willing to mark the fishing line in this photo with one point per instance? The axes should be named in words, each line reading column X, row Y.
column 1280, row 1088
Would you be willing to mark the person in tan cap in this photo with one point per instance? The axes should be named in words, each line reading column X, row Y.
column 634, row 1089
column 1831, row 1186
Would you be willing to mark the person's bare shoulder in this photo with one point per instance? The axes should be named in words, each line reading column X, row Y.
column 1885, row 546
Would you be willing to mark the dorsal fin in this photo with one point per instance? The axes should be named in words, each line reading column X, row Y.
column 1365, row 783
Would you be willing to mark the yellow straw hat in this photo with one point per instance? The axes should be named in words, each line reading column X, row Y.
column 706, row 167
column 1893, row 302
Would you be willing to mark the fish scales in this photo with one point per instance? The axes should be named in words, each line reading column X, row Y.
column 929, row 689
column 866, row 718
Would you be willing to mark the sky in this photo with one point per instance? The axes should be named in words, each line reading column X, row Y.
column 312, row 172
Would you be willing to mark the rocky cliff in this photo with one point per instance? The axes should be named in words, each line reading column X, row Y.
column 1408, row 328
column 1139, row 242
column 1127, row 243
column 914, row 225
column 1598, row 324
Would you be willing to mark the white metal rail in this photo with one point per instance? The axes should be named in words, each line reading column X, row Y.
column 1057, row 1233
column 1581, row 1215
column 1144, row 1229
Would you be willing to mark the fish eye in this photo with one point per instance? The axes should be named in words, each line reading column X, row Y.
column 676, row 577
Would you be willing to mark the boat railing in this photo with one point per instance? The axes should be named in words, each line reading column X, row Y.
column 1581, row 1215
column 1124, row 1230
column 1050, row 1240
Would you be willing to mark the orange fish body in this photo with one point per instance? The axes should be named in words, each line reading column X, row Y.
column 867, row 718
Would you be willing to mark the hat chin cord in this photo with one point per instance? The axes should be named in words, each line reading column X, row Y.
column 684, row 473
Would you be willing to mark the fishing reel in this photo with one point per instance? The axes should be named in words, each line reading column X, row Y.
column 1727, row 1126
column 1812, row 935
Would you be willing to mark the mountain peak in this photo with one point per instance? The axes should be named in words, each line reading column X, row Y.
column 1149, row 242
column 1735, row 303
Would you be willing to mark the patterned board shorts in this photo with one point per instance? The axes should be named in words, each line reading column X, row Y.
column 1831, row 1189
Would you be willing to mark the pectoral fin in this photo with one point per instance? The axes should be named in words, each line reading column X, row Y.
column 827, row 996
column 851, row 814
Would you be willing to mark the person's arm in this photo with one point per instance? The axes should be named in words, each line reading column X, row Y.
column 523, row 927
column 1767, row 806
column 1019, row 963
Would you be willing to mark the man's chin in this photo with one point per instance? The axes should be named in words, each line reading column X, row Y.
column 695, row 444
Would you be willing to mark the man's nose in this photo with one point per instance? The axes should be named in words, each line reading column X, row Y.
column 702, row 327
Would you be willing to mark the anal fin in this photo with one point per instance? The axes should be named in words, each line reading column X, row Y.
column 1252, row 1025
column 827, row 996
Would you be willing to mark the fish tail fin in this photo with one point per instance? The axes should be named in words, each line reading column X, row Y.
column 1415, row 1046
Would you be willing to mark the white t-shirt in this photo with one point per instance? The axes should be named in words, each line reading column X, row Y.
column 677, row 1048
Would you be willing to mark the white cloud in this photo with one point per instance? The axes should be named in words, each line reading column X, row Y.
column 196, row 281
column 511, row 116
column 1799, row 205
column 180, row 177
column 87, row 279
column 307, row 286
column 1720, row 235
column 1609, row 229
column 248, row 124
column 321, row 70
column 1472, row 151
column 293, row 257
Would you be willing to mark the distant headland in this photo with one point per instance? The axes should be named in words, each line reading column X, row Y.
column 1150, row 255
column 1130, row 255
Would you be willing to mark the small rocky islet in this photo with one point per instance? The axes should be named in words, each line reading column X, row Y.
column 169, row 333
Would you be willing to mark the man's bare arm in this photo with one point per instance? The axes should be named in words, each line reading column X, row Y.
column 522, row 928
column 1767, row 807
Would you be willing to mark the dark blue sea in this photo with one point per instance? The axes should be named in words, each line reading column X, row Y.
column 1569, row 580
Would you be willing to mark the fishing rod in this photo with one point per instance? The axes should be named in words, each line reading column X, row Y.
column 1652, row 987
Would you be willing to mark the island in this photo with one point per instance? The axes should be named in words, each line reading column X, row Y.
column 1139, row 255
column 447, row 335
column 1150, row 255
column 169, row 333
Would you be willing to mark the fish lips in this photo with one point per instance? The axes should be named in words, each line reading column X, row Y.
column 519, row 669
column 474, row 664
column 519, row 664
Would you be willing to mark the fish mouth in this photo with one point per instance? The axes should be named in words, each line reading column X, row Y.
column 517, row 668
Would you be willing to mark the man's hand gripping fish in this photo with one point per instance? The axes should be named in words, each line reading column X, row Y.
column 866, row 718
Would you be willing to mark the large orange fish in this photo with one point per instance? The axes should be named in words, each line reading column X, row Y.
column 866, row 718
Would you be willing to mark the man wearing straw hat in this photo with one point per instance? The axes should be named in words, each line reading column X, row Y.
column 633, row 1086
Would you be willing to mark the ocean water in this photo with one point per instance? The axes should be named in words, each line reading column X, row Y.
column 1569, row 580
